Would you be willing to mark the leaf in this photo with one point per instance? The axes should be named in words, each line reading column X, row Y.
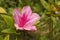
column 52, row 1
column 8, row 31
column 37, row 22
column 44, row 37
column 10, row 11
column 58, row 3
column 8, row 20
column 45, row 4
column 18, row 37
column 1, row 37
column 57, row 26
column 2, row 10
column 7, row 37
column 53, row 19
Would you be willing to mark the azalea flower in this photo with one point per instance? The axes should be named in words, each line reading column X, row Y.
column 26, row 20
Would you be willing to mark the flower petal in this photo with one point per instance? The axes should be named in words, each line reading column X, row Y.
column 18, row 28
column 16, row 15
column 26, row 11
column 34, row 17
column 30, row 28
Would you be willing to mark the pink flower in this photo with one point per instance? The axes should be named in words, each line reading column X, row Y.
column 26, row 20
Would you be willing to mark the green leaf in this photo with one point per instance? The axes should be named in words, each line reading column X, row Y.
column 8, row 31
column 18, row 37
column 8, row 20
column 44, row 37
column 52, row 1
column 58, row 3
column 10, row 11
column 7, row 37
column 57, row 26
column 2, row 10
column 37, row 22
column 45, row 4
column 1, row 37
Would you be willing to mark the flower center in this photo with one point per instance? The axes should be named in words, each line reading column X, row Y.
column 23, row 20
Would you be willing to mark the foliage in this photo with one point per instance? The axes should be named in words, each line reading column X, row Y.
column 48, row 25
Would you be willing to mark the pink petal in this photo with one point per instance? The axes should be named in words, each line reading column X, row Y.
column 16, row 15
column 34, row 17
column 18, row 28
column 30, row 28
column 26, row 11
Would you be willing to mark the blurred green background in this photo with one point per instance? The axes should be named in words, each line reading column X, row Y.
column 48, row 25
